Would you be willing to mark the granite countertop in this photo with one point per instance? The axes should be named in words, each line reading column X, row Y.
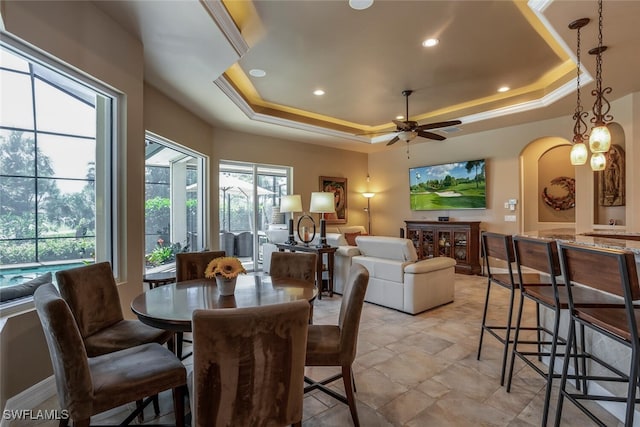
column 569, row 235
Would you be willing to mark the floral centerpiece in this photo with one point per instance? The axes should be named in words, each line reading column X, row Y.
column 225, row 270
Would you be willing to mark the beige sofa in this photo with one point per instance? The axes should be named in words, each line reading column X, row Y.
column 335, row 237
column 398, row 280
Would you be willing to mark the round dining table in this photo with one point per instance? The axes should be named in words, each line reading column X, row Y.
column 171, row 306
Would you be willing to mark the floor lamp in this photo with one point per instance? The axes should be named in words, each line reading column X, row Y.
column 368, row 196
column 322, row 203
column 291, row 203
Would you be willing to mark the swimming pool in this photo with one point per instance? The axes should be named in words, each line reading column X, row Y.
column 15, row 275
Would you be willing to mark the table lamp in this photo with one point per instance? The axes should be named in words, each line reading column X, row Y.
column 291, row 203
column 322, row 203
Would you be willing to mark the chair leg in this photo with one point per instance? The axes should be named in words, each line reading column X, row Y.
column 552, row 360
column 565, row 371
column 140, row 407
column 348, row 382
column 178, row 404
column 633, row 382
column 507, row 337
column 514, row 349
column 156, row 405
column 179, row 339
column 484, row 318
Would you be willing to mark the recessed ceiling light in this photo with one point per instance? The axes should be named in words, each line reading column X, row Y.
column 399, row 117
column 318, row 92
column 360, row 4
column 256, row 72
column 504, row 89
column 430, row 42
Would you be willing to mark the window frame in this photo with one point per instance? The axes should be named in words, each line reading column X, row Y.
column 110, row 109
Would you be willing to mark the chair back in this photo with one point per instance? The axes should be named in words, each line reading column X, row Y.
column 500, row 247
column 248, row 365
column 92, row 295
column 608, row 270
column 68, row 355
column 538, row 254
column 191, row 265
column 294, row 265
column 350, row 312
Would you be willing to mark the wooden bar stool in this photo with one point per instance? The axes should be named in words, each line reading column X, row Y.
column 497, row 248
column 610, row 272
column 540, row 255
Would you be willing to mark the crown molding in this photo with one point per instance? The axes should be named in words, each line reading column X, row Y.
column 221, row 16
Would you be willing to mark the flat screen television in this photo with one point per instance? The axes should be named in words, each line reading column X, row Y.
column 460, row 185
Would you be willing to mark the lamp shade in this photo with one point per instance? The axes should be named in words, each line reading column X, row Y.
column 579, row 154
column 600, row 139
column 598, row 161
column 291, row 203
column 368, row 195
column 322, row 202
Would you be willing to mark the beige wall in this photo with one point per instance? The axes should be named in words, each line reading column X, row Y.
column 102, row 49
column 505, row 167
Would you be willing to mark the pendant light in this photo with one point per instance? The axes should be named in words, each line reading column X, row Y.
column 579, row 151
column 600, row 138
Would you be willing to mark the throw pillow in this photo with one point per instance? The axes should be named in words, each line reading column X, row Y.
column 24, row 289
column 351, row 237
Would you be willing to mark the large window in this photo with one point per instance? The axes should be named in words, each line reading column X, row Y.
column 249, row 202
column 174, row 212
column 55, row 168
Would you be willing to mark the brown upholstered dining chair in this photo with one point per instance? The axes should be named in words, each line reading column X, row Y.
column 294, row 265
column 248, row 365
column 90, row 385
column 336, row 345
column 92, row 295
column 191, row 266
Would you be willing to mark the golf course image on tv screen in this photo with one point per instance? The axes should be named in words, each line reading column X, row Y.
column 460, row 185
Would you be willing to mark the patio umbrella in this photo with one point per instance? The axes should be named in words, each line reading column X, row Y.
column 228, row 183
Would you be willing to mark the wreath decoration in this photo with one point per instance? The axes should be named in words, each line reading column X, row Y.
column 561, row 203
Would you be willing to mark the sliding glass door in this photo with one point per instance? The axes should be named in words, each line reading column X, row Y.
column 249, row 201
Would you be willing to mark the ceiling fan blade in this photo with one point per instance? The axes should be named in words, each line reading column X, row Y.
column 439, row 125
column 394, row 140
column 431, row 135
column 402, row 125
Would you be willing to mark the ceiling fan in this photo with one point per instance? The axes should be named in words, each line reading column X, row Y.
column 408, row 129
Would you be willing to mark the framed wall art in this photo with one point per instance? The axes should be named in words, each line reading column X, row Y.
column 337, row 186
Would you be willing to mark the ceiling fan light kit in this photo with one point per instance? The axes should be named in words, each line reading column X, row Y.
column 408, row 130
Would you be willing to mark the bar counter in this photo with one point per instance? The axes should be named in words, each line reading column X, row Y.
column 599, row 238
column 599, row 345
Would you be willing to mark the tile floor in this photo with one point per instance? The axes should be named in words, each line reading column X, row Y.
column 418, row 371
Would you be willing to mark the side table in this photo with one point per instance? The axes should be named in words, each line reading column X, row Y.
column 330, row 251
column 158, row 279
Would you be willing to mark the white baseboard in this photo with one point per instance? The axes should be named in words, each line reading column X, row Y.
column 30, row 398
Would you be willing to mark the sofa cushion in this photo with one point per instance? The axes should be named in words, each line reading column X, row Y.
column 429, row 265
column 353, row 229
column 351, row 237
column 390, row 248
column 24, row 289
column 382, row 268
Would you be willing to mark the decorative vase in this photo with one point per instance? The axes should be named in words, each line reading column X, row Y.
column 226, row 286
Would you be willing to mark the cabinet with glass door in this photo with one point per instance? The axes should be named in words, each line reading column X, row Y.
column 459, row 240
